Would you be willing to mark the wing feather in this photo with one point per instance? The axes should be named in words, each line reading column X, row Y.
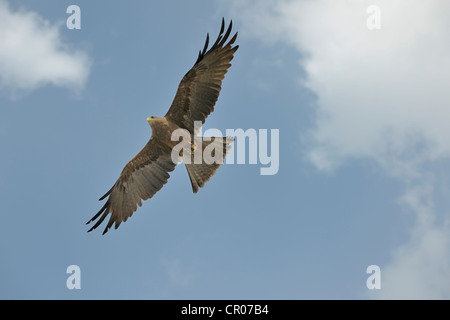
column 141, row 178
column 199, row 89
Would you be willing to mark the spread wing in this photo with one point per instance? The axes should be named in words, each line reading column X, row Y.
column 142, row 177
column 199, row 89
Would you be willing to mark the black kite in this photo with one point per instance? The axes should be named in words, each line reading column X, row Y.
column 148, row 171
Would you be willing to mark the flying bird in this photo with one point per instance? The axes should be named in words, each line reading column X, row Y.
column 148, row 171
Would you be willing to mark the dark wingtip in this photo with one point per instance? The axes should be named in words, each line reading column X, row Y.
column 206, row 43
column 201, row 53
column 233, row 39
column 222, row 27
column 227, row 34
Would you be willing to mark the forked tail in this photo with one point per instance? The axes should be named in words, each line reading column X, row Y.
column 213, row 156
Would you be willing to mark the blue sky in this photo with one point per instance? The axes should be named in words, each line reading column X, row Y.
column 363, row 176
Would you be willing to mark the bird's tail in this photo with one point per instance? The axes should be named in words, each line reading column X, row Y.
column 213, row 155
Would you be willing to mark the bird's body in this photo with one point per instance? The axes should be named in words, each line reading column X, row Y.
column 162, row 129
column 147, row 172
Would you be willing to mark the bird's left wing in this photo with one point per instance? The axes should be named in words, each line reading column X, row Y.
column 142, row 177
column 199, row 89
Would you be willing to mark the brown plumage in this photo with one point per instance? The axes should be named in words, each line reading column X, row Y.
column 148, row 171
column 199, row 174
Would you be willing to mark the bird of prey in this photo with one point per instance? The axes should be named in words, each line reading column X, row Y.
column 148, row 171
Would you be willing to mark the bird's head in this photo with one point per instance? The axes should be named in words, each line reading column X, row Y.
column 151, row 120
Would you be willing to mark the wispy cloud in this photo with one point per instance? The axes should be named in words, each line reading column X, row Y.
column 32, row 53
column 420, row 268
column 383, row 96
column 176, row 272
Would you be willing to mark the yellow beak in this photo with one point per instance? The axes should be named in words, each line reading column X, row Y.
column 150, row 119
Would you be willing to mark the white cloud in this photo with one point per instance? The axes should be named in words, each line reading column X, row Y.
column 420, row 269
column 33, row 55
column 177, row 272
column 383, row 95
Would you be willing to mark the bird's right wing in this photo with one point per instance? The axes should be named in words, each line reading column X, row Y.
column 142, row 177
